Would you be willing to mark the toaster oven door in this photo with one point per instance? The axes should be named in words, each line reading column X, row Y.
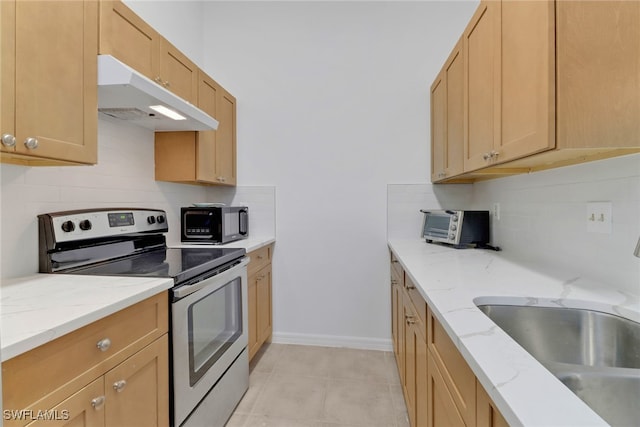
column 436, row 226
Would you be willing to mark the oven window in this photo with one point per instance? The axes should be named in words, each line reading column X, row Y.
column 215, row 322
column 437, row 226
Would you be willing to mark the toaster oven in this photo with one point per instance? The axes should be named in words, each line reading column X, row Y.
column 459, row 228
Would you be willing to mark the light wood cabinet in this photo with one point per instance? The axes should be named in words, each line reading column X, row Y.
column 481, row 50
column 126, row 36
column 487, row 415
column 447, row 118
column 260, row 298
column 206, row 157
column 48, row 85
column 109, row 372
column 439, row 387
column 547, row 84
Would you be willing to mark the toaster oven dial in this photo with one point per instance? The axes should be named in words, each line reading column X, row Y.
column 452, row 236
column 454, row 218
column 454, row 227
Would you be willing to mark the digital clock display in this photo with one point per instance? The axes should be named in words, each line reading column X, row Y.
column 120, row 219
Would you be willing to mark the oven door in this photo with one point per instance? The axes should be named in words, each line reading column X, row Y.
column 209, row 327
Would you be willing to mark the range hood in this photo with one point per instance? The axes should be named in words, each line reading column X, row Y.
column 125, row 94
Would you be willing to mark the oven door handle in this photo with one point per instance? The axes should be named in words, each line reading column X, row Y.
column 183, row 291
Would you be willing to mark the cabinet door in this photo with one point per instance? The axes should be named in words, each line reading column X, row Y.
column 226, row 137
column 481, row 48
column 528, row 79
column 454, row 72
column 137, row 390
column 54, row 79
column 441, row 408
column 487, row 415
column 264, row 318
column 438, row 127
column 208, row 93
column 126, row 36
column 598, row 58
column 422, row 379
column 409, row 384
column 178, row 73
column 83, row 409
column 253, row 344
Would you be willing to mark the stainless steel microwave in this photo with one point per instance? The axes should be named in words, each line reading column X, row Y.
column 214, row 225
column 458, row 228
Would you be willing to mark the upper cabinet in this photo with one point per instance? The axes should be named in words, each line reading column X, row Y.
column 546, row 84
column 447, row 110
column 126, row 36
column 206, row 157
column 48, row 82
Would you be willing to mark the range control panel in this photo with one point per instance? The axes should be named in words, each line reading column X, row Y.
column 94, row 223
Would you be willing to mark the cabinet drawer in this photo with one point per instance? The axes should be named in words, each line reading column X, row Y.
column 259, row 258
column 458, row 377
column 396, row 268
column 39, row 378
column 419, row 305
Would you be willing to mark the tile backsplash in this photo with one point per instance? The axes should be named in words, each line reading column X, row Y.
column 543, row 217
column 123, row 177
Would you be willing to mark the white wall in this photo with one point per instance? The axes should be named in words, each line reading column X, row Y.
column 180, row 22
column 543, row 218
column 332, row 105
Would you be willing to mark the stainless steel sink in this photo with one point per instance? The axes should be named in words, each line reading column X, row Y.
column 615, row 396
column 568, row 335
column 596, row 355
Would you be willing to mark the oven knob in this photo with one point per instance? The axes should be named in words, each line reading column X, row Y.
column 453, row 227
column 68, row 226
column 151, row 219
column 452, row 236
column 454, row 218
column 85, row 225
column 160, row 219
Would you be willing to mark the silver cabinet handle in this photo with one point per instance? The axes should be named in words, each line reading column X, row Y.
column 394, row 281
column 97, row 402
column 158, row 80
column 410, row 286
column 167, row 84
column 410, row 319
column 486, row 156
column 119, row 385
column 494, row 154
column 8, row 140
column 104, row 344
column 31, row 143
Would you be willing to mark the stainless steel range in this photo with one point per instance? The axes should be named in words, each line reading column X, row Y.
column 209, row 369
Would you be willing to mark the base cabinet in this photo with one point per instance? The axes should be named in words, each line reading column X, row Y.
column 260, row 298
column 113, row 372
column 439, row 387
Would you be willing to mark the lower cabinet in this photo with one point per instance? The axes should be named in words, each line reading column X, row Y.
column 260, row 312
column 439, row 387
column 113, row 372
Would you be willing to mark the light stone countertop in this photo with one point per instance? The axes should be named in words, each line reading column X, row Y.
column 250, row 244
column 453, row 281
column 40, row 308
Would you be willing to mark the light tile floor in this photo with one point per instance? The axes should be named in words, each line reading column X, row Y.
column 306, row 386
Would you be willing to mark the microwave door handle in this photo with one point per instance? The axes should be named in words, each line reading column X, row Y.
column 243, row 222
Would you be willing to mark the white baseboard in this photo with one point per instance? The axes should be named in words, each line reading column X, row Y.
column 333, row 341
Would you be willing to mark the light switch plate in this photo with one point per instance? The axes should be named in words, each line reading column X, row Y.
column 599, row 217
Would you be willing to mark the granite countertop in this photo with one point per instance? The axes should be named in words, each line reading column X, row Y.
column 40, row 308
column 453, row 281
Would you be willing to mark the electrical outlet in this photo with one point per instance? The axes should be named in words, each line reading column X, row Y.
column 496, row 211
column 599, row 217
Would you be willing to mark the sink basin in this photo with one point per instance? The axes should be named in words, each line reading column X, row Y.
column 596, row 355
column 568, row 335
column 612, row 395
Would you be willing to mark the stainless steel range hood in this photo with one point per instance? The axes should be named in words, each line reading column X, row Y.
column 125, row 94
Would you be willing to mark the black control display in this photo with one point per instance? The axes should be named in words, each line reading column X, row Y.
column 120, row 219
